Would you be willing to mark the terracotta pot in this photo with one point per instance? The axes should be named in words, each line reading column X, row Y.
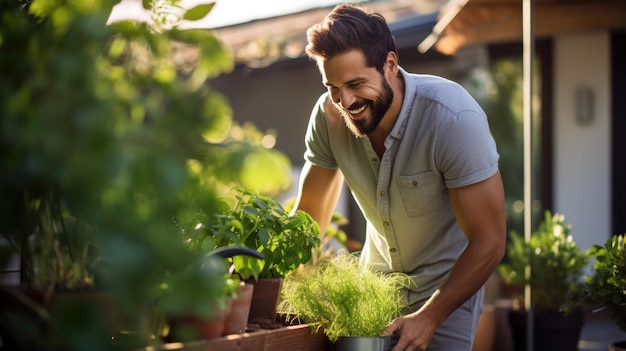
column 264, row 299
column 190, row 327
column 237, row 319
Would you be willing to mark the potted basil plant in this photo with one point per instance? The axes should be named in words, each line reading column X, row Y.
column 259, row 222
column 349, row 301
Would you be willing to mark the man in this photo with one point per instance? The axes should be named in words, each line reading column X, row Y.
column 418, row 157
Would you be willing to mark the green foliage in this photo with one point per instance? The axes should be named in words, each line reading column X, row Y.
column 62, row 254
column 326, row 251
column 556, row 264
column 101, row 125
column 168, row 14
column 238, row 154
column 198, row 12
column 344, row 298
column 606, row 286
column 261, row 223
column 88, row 127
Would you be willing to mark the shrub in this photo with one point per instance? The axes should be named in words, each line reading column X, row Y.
column 605, row 288
column 555, row 261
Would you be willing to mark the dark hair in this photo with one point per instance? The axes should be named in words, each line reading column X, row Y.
column 349, row 27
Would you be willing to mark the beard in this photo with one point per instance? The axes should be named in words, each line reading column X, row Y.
column 377, row 109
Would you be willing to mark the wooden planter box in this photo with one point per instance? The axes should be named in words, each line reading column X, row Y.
column 296, row 337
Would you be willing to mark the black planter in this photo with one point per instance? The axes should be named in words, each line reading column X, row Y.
column 553, row 331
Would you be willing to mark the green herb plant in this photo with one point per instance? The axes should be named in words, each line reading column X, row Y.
column 605, row 288
column 555, row 261
column 344, row 297
column 326, row 250
column 261, row 223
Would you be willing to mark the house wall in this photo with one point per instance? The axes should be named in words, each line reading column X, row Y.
column 277, row 98
column 582, row 153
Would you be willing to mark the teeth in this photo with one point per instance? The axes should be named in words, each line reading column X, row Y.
column 358, row 110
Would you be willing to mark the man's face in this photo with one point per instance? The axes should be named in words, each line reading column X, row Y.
column 360, row 93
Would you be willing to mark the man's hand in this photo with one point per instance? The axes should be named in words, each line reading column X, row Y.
column 415, row 331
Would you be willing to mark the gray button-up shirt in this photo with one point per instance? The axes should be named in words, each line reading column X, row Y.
column 440, row 140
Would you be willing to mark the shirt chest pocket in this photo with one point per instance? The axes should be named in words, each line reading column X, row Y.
column 421, row 193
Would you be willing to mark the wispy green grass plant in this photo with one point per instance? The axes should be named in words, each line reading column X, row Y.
column 344, row 298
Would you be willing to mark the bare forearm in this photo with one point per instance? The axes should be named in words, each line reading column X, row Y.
column 467, row 276
column 318, row 193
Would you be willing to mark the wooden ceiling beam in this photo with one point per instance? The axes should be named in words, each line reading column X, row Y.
column 486, row 21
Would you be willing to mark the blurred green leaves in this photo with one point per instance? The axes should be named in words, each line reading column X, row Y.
column 103, row 123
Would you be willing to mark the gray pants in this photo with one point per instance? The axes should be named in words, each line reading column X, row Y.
column 456, row 333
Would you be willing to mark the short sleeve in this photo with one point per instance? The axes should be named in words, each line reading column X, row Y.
column 466, row 151
column 317, row 140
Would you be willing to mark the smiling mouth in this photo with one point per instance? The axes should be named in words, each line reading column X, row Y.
column 358, row 110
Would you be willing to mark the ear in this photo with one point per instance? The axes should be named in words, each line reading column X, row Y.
column 391, row 64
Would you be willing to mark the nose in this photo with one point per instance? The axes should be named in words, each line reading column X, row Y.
column 346, row 98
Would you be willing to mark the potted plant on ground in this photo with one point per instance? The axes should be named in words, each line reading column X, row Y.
column 557, row 266
column 605, row 288
column 255, row 221
column 349, row 302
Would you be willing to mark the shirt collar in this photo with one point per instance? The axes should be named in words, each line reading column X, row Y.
column 407, row 103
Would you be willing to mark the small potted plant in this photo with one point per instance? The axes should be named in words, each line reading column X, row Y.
column 186, row 318
column 351, row 303
column 556, row 265
column 258, row 222
column 223, row 311
column 605, row 288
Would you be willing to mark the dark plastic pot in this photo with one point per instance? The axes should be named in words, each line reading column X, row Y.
column 553, row 331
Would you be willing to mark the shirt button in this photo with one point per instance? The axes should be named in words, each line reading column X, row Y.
column 374, row 160
column 386, row 224
column 382, row 193
column 414, row 183
column 393, row 249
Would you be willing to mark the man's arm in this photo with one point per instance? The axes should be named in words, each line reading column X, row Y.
column 479, row 209
column 318, row 193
